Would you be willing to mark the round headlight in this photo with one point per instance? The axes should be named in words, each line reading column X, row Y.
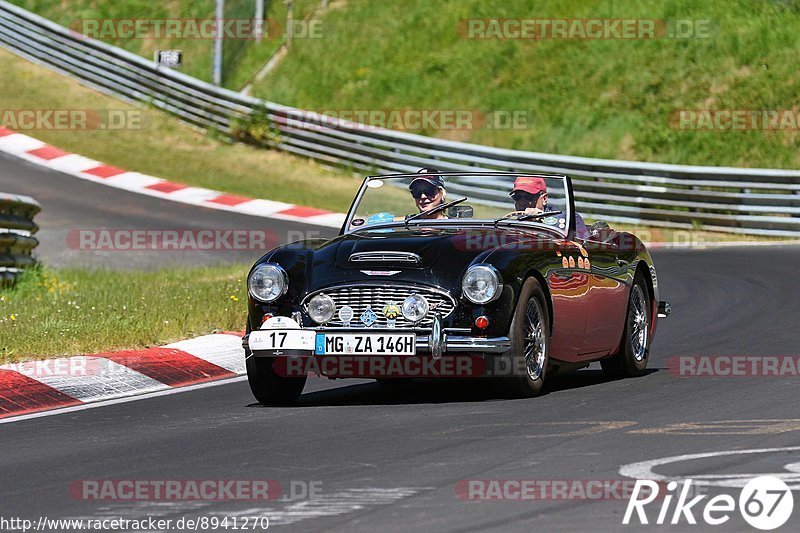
column 321, row 308
column 268, row 282
column 415, row 307
column 480, row 284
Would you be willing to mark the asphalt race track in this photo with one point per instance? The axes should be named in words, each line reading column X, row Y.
column 390, row 458
column 70, row 204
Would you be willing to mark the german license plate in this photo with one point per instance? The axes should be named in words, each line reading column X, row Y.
column 366, row 344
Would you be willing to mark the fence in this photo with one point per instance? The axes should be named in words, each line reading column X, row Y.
column 16, row 235
column 754, row 201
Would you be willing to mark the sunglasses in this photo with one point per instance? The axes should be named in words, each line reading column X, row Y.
column 520, row 196
column 428, row 190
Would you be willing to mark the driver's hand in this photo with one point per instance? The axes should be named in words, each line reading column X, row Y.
column 533, row 211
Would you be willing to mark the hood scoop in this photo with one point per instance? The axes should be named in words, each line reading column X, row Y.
column 394, row 257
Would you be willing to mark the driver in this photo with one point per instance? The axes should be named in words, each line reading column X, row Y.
column 530, row 196
column 428, row 191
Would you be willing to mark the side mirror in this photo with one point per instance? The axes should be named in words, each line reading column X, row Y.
column 461, row 211
column 601, row 232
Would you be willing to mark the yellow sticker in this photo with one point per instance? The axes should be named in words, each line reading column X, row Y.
column 565, row 262
column 572, row 262
column 580, row 262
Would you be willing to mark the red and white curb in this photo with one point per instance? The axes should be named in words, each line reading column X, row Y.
column 36, row 386
column 44, row 155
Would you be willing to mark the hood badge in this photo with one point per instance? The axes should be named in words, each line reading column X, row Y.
column 391, row 312
column 380, row 272
column 368, row 317
column 346, row 315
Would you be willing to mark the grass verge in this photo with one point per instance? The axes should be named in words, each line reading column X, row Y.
column 53, row 313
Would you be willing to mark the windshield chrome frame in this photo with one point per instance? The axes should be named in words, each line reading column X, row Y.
column 532, row 224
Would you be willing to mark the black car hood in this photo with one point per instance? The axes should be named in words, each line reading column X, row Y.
column 444, row 254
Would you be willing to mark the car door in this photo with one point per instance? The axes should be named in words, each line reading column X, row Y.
column 569, row 287
column 607, row 296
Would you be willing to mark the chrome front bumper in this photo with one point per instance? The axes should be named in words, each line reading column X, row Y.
column 438, row 342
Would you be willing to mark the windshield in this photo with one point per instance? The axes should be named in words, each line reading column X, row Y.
column 446, row 198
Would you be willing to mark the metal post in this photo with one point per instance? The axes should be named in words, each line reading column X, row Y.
column 289, row 22
column 220, row 14
column 259, row 20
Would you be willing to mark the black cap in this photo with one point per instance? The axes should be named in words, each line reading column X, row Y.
column 429, row 176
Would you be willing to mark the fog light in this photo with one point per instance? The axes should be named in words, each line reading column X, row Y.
column 266, row 317
column 321, row 308
column 481, row 322
column 415, row 307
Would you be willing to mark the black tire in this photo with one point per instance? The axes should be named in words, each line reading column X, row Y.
column 268, row 387
column 529, row 355
column 634, row 351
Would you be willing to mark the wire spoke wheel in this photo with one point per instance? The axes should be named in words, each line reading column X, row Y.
column 638, row 323
column 634, row 349
column 534, row 347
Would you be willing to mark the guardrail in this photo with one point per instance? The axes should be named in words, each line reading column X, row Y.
column 754, row 201
column 16, row 235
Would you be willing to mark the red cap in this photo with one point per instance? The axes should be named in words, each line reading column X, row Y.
column 529, row 184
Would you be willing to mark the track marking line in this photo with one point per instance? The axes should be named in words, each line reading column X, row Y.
column 644, row 469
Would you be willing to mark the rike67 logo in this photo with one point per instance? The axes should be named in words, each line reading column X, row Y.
column 765, row 503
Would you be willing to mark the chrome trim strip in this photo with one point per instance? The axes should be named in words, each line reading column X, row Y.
column 385, row 257
column 477, row 344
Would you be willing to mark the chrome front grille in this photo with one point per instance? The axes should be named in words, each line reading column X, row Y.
column 385, row 257
column 359, row 297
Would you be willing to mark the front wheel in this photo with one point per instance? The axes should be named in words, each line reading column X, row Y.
column 268, row 387
column 631, row 360
column 530, row 343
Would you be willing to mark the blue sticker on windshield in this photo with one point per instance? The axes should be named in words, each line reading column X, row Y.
column 378, row 218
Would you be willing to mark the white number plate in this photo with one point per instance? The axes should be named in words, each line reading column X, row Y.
column 366, row 344
column 287, row 341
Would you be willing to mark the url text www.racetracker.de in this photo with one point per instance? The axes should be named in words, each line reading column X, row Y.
column 44, row 524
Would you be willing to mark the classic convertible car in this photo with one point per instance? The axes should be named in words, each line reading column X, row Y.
column 485, row 269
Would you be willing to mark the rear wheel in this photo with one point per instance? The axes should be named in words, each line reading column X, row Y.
column 268, row 387
column 634, row 352
column 530, row 343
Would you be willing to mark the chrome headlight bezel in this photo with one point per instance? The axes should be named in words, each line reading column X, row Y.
column 489, row 274
column 280, row 276
column 320, row 319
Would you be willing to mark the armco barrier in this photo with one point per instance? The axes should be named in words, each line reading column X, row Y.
column 754, row 201
column 16, row 235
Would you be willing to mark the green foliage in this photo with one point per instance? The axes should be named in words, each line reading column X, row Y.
column 242, row 57
column 601, row 98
